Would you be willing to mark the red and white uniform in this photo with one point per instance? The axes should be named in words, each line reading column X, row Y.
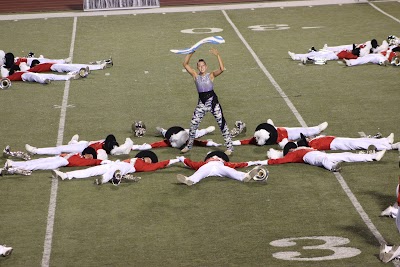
column 49, row 67
column 327, row 55
column 318, row 158
column 27, row 76
column 72, row 147
column 127, row 166
column 28, row 60
column 217, row 167
column 51, row 163
column 342, row 143
column 291, row 133
column 378, row 58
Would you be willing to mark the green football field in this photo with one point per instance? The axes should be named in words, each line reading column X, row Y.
column 303, row 216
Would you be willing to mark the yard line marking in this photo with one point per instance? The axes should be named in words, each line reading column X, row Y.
column 359, row 208
column 353, row 199
column 54, row 182
column 266, row 72
column 312, row 27
column 383, row 12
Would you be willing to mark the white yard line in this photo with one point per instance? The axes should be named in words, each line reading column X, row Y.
column 54, row 182
column 339, row 177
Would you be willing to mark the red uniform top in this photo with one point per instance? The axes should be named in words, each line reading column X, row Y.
column 195, row 165
column 321, row 143
column 166, row 143
column 16, row 76
column 43, row 67
column 97, row 145
column 282, row 134
column 76, row 160
column 346, row 54
column 19, row 60
column 141, row 166
column 295, row 156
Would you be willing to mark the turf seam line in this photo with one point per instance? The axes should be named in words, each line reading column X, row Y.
column 54, row 182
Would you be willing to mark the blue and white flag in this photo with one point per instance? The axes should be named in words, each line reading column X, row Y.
column 211, row 40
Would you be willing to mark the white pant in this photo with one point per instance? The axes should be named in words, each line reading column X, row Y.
column 41, row 77
column 328, row 55
column 341, row 143
column 216, row 168
column 70, row 148
column 44, row 60
column 370, row 58
column 106, row 170
column 73, row 67
column 294, row 132
column 50, row 163
column 328, row 160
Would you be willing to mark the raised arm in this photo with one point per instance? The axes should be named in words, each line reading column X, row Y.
column 187, row 66
column 217, row 72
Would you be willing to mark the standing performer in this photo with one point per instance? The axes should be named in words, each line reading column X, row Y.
column 208, row 100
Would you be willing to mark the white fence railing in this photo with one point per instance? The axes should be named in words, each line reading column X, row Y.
column 95, row 5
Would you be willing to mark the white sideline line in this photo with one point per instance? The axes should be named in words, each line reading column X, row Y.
column 54, row 182
column 383, row 12
column 193, row 8
column 353, row 199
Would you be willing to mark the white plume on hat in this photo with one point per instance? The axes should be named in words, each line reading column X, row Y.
column 261, row 136
column 179, row 139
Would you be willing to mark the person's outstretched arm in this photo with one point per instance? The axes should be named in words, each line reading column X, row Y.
column 187, row 66
column 217, row 72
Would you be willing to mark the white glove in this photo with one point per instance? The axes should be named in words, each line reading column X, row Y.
column 107, row 161
column 210, row 142
column 102, row 154
column 181, row 158
column 274, row 154
column 173, row 161
column 141, row 147
column 236, row 143
column 283, row 142
column 258, row 162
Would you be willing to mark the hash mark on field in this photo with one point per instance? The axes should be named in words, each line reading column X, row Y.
column 312, row 27
column 67, row 106
column 362, row 134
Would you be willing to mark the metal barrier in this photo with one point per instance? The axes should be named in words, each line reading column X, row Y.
column 96, row 5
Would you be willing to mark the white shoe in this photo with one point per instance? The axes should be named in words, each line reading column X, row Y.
column 46, row 81
column 8, row 164
column 270, row 122
column 393, row 253
column 68, row 60
column 159, row 130
column 74, row 139
column 396, row 146
column 185, row 149
column 184, row 180
column 382, row 250
column 210, row 129
column 323, row 126
column 31, row 149
column 379, row 155
column 387, row 212
column 292, row 55
column 390, row 138
column 73, row 75
column 5, row 251
column 58, row 174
